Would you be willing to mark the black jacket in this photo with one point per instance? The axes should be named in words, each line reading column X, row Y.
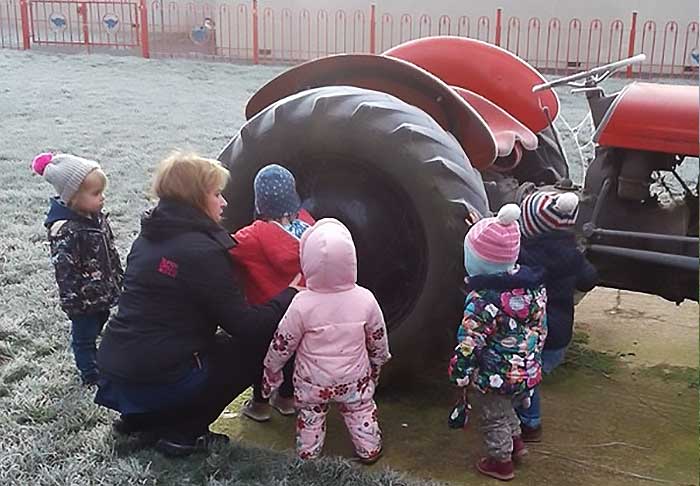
column 178, row 289
column 566, row 269
column 88, row 271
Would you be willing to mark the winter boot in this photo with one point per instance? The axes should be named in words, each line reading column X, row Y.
column 502, row 470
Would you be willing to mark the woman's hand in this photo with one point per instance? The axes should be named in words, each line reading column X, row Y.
column 296, row 283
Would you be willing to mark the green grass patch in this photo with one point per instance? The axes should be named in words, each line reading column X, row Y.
column 581, row 357
column 676, row 374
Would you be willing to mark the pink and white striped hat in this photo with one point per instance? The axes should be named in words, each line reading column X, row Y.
column 497, row 240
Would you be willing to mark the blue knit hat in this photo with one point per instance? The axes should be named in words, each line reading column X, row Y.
column 275, row 193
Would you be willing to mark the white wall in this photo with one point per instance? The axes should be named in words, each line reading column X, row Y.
column 293, row 30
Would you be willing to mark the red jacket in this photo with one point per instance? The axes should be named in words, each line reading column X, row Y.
column 268, row 257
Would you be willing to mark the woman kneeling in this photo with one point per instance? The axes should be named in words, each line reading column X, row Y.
column 164, row 367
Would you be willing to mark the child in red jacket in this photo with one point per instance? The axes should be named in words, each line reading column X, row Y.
column 267, row 252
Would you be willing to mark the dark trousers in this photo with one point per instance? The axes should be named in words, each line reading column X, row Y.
column 232, row 366
column 84, row 332
column 286, row 390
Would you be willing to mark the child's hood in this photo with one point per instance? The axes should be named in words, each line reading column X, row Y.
column 60, row 212
column 555, row 251
column 523, row 277
column 328, row 257
column 524, row 283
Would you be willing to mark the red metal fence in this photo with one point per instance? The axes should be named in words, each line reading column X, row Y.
column 11, row 25
column 245, row 32
column 91, row 24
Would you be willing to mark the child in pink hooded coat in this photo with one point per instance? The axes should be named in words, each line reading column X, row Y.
column 338, row 333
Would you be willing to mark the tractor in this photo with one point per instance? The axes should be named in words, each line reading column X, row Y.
column 411, row 147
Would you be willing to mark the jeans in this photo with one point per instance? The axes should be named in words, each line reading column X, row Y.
column 530, row 417
column 230, row 367
column 84, row 332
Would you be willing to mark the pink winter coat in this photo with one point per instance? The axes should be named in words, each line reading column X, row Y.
column 335, row 326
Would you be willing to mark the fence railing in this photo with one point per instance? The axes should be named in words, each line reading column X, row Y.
column 107, row 23
column 245, row 32
column 11, row 25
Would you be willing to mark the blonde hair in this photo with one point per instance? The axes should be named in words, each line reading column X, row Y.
column 95, row 176
column 188, row 178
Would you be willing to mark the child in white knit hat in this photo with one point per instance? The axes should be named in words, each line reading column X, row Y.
column 549, row 243
column 501, row 336
column 88, row 270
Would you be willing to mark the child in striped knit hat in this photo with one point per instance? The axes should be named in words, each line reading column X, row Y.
column 549, row 243
column 501, row 336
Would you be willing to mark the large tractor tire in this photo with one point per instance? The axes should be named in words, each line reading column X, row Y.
column 401, row 184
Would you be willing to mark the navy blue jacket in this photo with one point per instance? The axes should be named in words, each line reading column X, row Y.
column 88, row 271
column 566, row 270
column 178, row 289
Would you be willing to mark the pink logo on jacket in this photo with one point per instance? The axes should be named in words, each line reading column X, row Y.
column 167, row 267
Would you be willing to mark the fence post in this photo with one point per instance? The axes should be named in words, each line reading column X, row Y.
column 143, row 15
column 82, row 11
column 499, row 17
column 256, row 40
column 24, row 14
column 372, row 29
column 633, row 35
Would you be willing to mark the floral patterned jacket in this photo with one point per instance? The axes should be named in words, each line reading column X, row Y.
column 502, row 334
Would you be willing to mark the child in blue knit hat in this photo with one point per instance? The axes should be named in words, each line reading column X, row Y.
column 267, row 252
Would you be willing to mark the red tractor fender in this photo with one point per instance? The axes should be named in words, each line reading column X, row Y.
column 511, row 135
column 492, row 72
column 653, row 117
column 401, row 79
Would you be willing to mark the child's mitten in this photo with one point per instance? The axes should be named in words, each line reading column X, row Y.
column 459, row 416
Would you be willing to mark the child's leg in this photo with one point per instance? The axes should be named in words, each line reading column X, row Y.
column 551, row 358
column 497, row 418
column 513, row 422
column 283, row 400
column 84, row 332
column 287, row 388
column 531, row 417
column 362, row 424
column 257, row 392
column 311, row 429
column 258, row 408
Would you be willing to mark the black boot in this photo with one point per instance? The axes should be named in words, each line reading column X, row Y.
column 178, row 445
